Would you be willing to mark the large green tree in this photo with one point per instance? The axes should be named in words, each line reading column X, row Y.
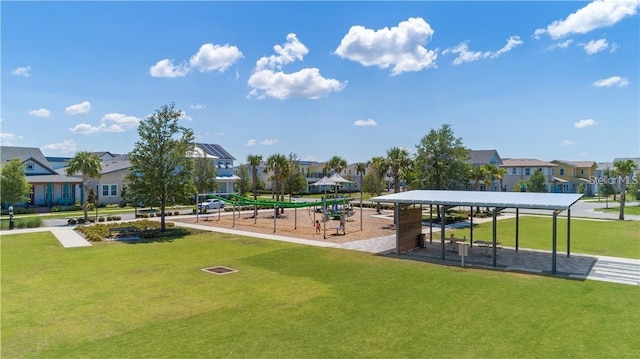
column 537, row 182
column 295, row 181
column 13, row 183
column 440, row 161
column 90, row 167
column 161, row 171
column 624, row 170
column 379, row 168
column 399, row 164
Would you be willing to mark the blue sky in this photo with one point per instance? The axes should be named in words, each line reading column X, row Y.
column 546, row 80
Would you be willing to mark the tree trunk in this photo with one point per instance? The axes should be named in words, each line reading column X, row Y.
column 623, row 197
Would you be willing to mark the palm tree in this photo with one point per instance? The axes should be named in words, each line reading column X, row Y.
column 361, row 169
column 623, row 169
column 398, row 161
column 254, row 162
column 278, row 163
column 499, row 174
column 336, row 164
column 478, row 175
column 90, row 167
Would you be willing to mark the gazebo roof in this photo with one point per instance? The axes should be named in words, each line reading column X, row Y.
column 550, row 201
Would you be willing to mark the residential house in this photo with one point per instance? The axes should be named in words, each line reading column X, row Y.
column 570, row 175
column 223, row 163
column 111, row 182
column 477, row 158
column 48, row 187
column 521, row 169
column 599, row 177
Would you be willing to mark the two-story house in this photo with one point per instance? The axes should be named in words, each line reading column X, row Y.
column 477, row 158
column 570, row 175
column 48, row 186
column 521, row 169
column 223, row 163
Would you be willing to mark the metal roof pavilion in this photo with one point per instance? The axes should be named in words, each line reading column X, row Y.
column 550, row 201
column 556, row 202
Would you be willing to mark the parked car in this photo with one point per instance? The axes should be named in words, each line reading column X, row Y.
column 211, row 204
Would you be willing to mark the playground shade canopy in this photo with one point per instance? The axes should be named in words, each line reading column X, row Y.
column 549, row 201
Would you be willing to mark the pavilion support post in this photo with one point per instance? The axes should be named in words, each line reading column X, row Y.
column 471, row 227
column 495, row 234
column 568, row 232
column 295, row 218
column 554, row 242
column 275, row 216
column 517, row 228
column 430, row 224
column 233, row 215
column 396, row 220
column 442, row 224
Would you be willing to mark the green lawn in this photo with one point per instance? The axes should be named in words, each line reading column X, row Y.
column 635, row 210
column 608, row 238
column 117, row 300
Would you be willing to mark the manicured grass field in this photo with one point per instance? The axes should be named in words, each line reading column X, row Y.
column 633, row 210
column 117, row 300
column 608, row 238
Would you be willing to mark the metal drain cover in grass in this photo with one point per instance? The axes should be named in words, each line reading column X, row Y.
column 219, row 270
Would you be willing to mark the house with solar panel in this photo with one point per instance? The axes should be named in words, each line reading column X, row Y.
column 223, row 163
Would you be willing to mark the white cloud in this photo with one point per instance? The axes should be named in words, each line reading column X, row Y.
column 211, row 57
column 78, row 109
column 22, row 71
column 7, row 138
column 111, row 122
column 268, row 80
column 66, row 146
column 611, row 81
column 367, row 122
column 584, row 123
column 595, row 46
column 166, row 68
column 197, row 106
column 595, row 15
column 269, row 142
column 43, row 112
column 560, row 45
column 251, row 142
column 401, row 47
column 464, row 55
column 568, row 143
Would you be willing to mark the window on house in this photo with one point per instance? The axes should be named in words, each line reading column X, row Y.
column 553, row 171
column 29, row 166
column 114, row 190
column 581, row 171
column 562, row 172
column 105, row 190
column 65, row 191
column 527, row 171
column 513, row 171
column 226, row 165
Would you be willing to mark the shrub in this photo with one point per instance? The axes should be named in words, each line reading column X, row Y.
column 29, row 222
column 100, row 219
column 56, row 209
column 72, row 221
column 109, row 218
column 175, row 213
